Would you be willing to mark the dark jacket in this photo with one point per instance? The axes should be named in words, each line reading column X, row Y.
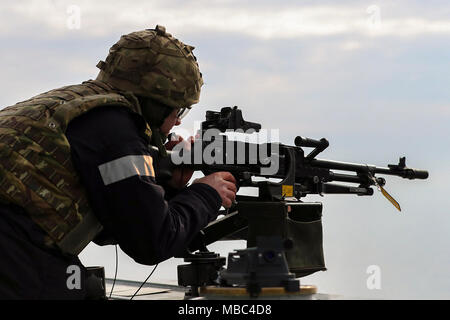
column 134, row 211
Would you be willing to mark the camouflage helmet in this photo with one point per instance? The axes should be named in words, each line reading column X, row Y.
column 152, row 63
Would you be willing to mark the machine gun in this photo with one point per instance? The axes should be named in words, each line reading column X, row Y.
column 281, row 230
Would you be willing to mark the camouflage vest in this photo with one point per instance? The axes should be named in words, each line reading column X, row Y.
column 36, row 170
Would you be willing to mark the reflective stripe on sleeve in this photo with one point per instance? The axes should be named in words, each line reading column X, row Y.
column 126, row 167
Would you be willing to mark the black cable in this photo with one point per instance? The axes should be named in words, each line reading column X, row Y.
column 144, row 281
column 115, row 274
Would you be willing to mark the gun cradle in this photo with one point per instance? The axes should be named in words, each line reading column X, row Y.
column 298, row 223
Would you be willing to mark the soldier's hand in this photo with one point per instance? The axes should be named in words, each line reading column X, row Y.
column 180, row 176
column 225, row 185
column 176, row 139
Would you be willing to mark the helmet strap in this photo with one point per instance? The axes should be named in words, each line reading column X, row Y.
column 158, row 140
column 154, row 114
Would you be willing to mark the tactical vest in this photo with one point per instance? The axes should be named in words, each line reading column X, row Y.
column 36, row 170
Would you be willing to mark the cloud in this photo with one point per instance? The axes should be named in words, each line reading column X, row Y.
column 285, row 20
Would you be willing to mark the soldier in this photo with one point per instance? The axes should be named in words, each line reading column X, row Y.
column 76, row 165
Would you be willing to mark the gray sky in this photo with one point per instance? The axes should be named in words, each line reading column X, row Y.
column 372, row 77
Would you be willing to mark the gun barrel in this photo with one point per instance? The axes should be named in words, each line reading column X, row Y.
column 345, row 166
column 420, row 174
column 407, row 173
